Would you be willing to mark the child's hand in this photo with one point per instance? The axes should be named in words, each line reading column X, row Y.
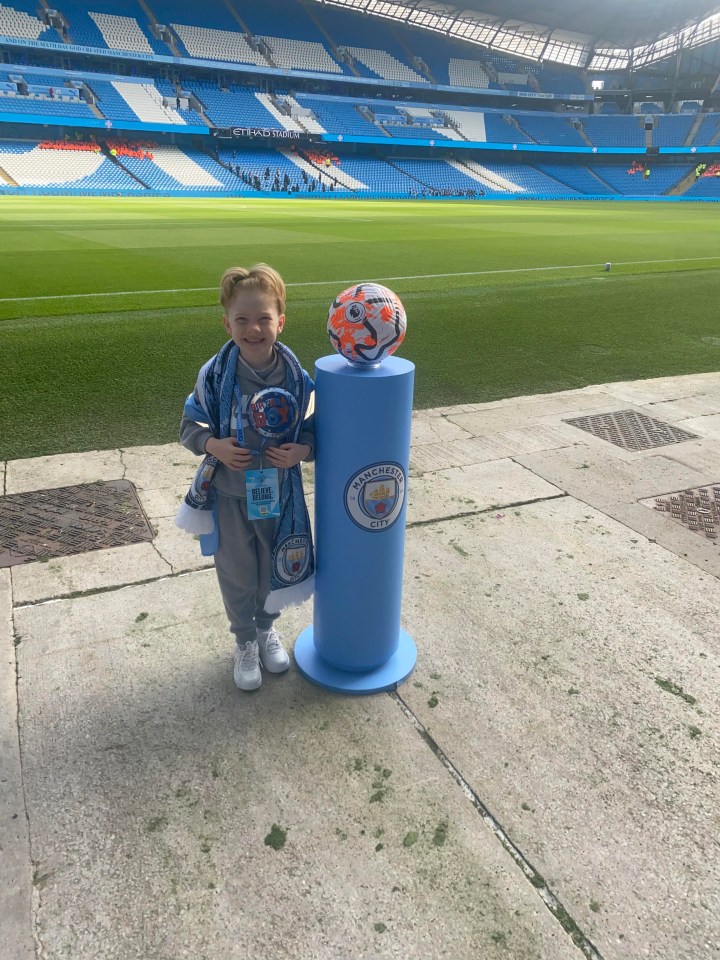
column 288, row 454
column 229, row 452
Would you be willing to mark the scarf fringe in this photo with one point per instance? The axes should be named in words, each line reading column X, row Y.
column 194, row 521
column 292, row 596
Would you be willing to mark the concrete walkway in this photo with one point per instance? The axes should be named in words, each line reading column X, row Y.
column 545, row 785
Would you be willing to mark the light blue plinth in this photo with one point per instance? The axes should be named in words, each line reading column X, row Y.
column 387, row 676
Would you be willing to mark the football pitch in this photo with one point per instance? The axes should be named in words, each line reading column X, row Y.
column 109, row 306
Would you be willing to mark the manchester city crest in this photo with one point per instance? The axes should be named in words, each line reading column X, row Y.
column 292, row 559
column 374, row 496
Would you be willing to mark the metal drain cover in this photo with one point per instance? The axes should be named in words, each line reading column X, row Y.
column 697, row 509
column 44, row 524
column 631, row 430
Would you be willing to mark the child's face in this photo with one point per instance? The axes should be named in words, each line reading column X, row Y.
column 254, row 324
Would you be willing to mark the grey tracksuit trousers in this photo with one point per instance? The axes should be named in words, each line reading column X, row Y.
column 242, row 565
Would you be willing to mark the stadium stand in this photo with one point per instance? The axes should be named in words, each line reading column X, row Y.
column 415, row 133
column 556, row 130
column 530, row 179
column 300, row 55
column 559, row 81
column 210, row 13
column 577, row 177
column 32, row 166
column 614, row 131
column 661, row 178
column 174, row 170
column 439, row 176
column 467, row 73
column 21, row 20
column 146, row 102
column 708, row 185
column 384, row 65
column 110, row 24
column 708, row 130
column 43, row 105
column 339, row 116
column 671, row 130
column 109, row 102
column 430, row 50
column 235, row 106
column 341, row 44
column 207, row 43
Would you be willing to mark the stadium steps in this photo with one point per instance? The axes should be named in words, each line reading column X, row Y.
column 715, row 139
column 311, row 123
column 309, row 12
column 488, row 178
column 239, row 20
column 8, row 179
column 406, row 173
column 581, row 130
column 46, row 8
column 271, row 105
column 170, row 40
column 682, row 186
column 92, row 107
column 220, row 162
column 335, row 173
column 339, row 177
column 513, row 121
column 420, row 65
column 106, row 150
column 692, row 132
column 603, row 182
column 516, row 123
column 367, row 114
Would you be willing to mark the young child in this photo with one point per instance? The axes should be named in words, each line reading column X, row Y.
column 262, row 565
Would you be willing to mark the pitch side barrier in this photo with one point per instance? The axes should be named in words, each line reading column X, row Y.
column 6, row 190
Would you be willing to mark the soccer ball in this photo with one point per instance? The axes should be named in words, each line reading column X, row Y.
column 366, row 323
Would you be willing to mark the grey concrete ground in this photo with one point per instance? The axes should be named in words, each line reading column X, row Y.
column 545, row 785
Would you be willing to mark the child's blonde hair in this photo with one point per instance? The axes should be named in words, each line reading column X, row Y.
column 260, row 277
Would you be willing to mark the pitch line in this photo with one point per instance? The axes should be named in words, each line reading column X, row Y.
column 326, row 283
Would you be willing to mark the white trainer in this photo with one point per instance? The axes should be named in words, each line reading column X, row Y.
column 273, row 654
column 247, row 666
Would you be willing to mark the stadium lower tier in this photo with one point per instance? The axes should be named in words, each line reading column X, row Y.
column 118, row 167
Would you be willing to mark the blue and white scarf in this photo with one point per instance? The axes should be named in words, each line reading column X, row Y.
column 293, row 564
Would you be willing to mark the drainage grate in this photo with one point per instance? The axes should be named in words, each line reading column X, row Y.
column 697, row 509
column 44, row 524
column 631, row 430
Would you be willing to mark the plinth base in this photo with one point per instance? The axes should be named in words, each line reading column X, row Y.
column 388, row 676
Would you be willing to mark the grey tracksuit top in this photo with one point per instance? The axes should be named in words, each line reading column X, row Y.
column 194, row 436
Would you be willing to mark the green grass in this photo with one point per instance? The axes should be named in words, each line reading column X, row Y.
column 99, row 371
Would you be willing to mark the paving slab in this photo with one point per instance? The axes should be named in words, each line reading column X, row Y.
column 82, row 572
column 526, row 410
column 173, row 816
column 480, row 486
column 63, row 470
column 16, row 938
column 571, row 671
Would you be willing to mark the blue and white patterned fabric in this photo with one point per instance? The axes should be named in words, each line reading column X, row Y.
column 293, row 563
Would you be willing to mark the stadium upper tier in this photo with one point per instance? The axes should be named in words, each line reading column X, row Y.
column 280, row 34
column 60, row 96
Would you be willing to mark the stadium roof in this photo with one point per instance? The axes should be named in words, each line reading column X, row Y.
column 609, row 23
column 596, row 34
